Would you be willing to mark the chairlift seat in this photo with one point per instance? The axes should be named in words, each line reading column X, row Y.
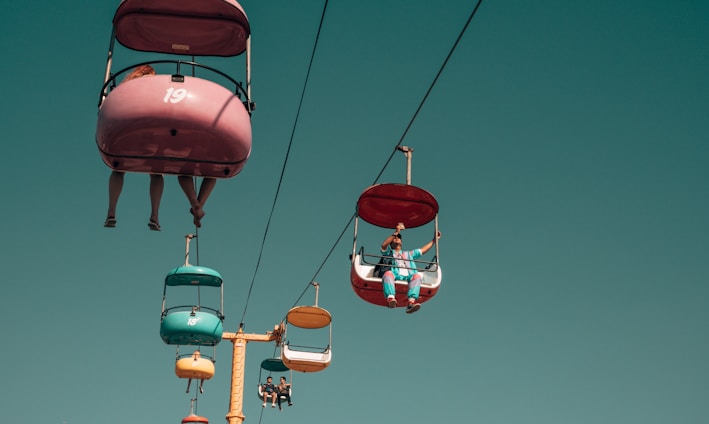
column 195, row 328
column 305, row 361
column 283, row 397
column 194, row 366
column 192, row 418
column 370, row 288
column 188, row 126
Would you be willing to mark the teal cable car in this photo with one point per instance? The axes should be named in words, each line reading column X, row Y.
column 193, row 323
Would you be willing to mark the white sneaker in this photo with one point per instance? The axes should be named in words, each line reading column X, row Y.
column 264, row 404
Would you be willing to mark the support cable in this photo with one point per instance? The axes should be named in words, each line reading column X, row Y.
column 401, row 139
column 285, row 161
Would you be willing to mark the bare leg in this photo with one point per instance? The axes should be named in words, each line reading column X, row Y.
column 205, row 189
column 115, row 186
column 187, row 185
column 157, row 184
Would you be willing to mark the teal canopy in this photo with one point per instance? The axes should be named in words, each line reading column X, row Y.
column 193, row 276
column 274, row 365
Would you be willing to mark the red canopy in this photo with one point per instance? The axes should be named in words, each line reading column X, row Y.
column 194, row 419
column 385, row 205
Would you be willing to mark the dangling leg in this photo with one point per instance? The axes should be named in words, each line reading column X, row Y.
column 187, row 185
column 201, row 382
column 413, row 293
column 189, row 381
column 115, row 186
column 389, row 289
column 157, row 184
column 205, row 189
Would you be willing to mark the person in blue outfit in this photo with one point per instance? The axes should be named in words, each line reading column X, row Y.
column 403, row 268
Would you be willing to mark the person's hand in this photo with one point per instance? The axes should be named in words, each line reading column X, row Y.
column 400, row 226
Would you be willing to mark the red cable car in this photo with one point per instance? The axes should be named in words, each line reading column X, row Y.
column 172, row 123
column 386, row 205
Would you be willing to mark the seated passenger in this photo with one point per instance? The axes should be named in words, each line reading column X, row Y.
column 283, row 392
column 269, row 391
column 115, row 181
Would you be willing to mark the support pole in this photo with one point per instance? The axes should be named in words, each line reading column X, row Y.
column 238, row 362
column 408, row 153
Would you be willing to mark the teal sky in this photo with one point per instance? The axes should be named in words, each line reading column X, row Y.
column 567, row 144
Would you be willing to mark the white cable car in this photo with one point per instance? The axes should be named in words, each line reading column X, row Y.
column 308, row 358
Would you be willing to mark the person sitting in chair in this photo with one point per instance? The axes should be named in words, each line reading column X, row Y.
column 269, row 391
column 283, row 392
column 403, row 268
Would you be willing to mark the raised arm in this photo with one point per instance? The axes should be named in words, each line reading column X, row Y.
column 426, row 247
column 400, row 226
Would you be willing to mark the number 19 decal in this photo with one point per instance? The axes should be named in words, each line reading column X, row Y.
column 174, row 96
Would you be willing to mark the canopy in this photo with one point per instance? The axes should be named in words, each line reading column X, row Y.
column 274, row 365
column 309, row 317
column 193, row 276
column 204, row 28
column 385, row 205
column 194, row 419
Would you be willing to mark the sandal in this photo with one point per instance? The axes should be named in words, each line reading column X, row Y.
column 153, row 225
column 110, row 222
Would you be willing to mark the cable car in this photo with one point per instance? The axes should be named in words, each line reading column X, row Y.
column 193, row 323
column 307, row 358
column 385, row 205
column 174, row 123
column 274, row 365
column 192, row 417
column 194, row 366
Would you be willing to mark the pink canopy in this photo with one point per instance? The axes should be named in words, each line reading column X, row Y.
column 189, row 27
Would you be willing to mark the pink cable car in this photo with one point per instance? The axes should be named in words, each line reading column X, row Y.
column 385, row 205
column 175, row 123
